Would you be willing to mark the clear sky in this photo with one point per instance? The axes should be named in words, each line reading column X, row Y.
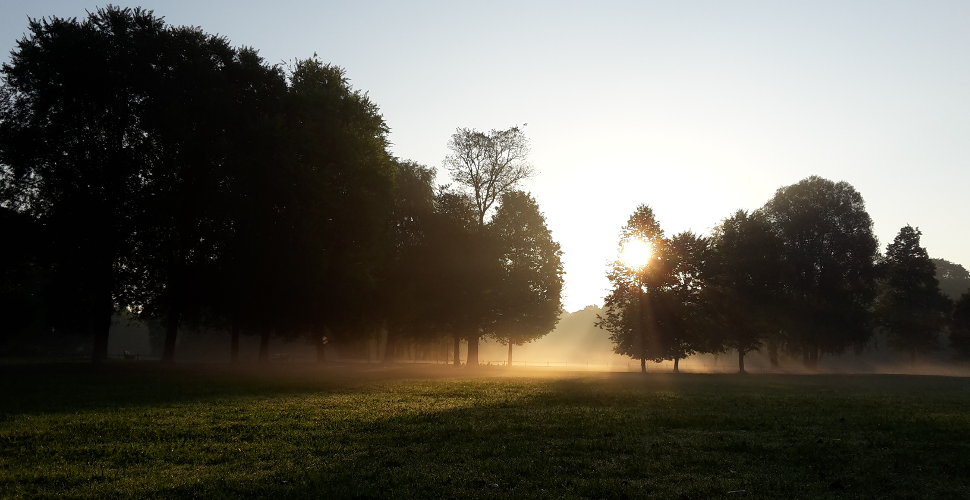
column 694, row 108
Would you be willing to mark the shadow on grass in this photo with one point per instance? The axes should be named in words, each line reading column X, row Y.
column 668, row 437
column 341, row 432
column 46, row 387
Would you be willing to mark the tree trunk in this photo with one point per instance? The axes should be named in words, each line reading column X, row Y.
column 676, row 365
column 234, row 342
column 509, row 362
column 643, row 365
column 472, row 356
column 171, row 334
column 457, row 352
column 741, row 361
column 264, row 346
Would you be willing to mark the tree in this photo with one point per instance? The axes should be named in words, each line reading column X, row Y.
column 827, row 255
column 464, row 273
column 196, row 115
column 680, row 308
column 627, row 312
column 911, row 306
column 334, row 202
column 960, row 325
column 24, row 277
column 407, row 289
column 743, row 289
column 529, row 296
column 253, row 189
column 488, row 165
column 954, row 279
column 75, row 149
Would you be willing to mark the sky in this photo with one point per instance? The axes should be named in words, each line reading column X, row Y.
column 695, row 108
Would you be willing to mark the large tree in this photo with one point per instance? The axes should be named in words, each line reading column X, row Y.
column 910, row 305
column 486, row 165
column 828, row 252
column 464, row 273
column 203, row 103
column 640, row 274
column 76, row 152
column 529, row 296
column 24, row 278
column 332, row 235
column 743, row 289
column 407, row 289
column 681, row 310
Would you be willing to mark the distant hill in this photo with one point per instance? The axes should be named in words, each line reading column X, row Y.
column 576, row 340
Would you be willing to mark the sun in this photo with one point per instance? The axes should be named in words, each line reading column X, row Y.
column 635, row 253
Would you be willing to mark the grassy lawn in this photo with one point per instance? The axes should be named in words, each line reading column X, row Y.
column 140, row 429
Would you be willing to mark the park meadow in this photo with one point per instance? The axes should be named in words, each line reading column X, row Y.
column 144, row 429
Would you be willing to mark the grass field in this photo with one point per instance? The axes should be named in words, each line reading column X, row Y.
column 141, row 429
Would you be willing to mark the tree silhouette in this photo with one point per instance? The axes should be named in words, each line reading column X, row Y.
column 335, row 204
column 24, row 277
column 911, row 306
column 681, row 312
column 828, row 254
column 488, row 165
column 744, row 287
column 76, row 150
column 960, row 326
column 628, row 310
column 196, row 107
column 465, row 273
column 408, row 288
column 529, row 296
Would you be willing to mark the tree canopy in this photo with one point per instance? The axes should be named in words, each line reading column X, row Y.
column 827, row 255
column 911, row 306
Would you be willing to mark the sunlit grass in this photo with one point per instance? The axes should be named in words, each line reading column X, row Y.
column 141, row 430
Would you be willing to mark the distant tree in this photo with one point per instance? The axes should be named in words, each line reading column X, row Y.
column 954, row 279
column 628, row 309
column 960, row 326
column 743, row 290
column 528, row 300
column 911, row 306
column 76, row 151
column 488, row 165
column 828, row 252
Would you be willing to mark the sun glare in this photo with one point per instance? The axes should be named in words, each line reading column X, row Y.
column 635, row 253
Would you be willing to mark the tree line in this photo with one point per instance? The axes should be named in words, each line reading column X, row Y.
column 801, row 275
column 160, row 171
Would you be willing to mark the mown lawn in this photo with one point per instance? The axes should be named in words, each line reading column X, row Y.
column 145, row 430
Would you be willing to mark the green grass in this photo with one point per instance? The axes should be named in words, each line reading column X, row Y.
column 144, row 430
